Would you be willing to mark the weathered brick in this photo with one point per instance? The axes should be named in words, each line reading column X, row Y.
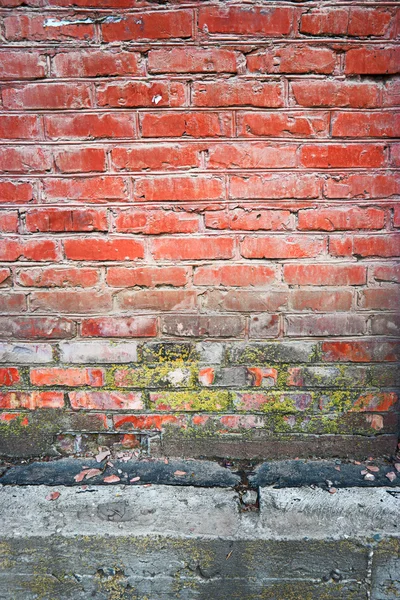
column 238, row 93
column 85, row 126
column 71, row 301
column 119, row 327
column 55, row 220
column 246, row 20
column 282, row 247
column 192, row 60
column 325, row 325
column 336, row 93
column 337, row 219
column 98, row 352
column 48, row 277
column 352, row 21
column 106, row 400
column 21, row 354
column 383, row 298
column 103, row 249
column 31, row 400
column 189, row 124
column 67, row 377
column 360, row 124
column 155, row 221
column 203, row 326
column 47, row 95
column 183, row 188
column 249, row 220
column 9, row 376
column 324, row 274
column 285, row 124
column 361, row 351
column 36, row 328
column 140, row 94
column 149, row 26
column 386, row 324
column 245, row 301
column 22, row 65
column 96, row 63
column 158, row 300
column 200, row 248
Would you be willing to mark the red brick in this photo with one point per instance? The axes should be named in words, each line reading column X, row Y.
column 22, row 65
column 336, row 219
column 35, row 328
column 365, row 185
column 325, row 274
column 103, row 249
column 376, row 402
column 15, row 193
column 287, row 124
column 248, row 220
column 365, row 246
column 385, row 324
column 395, row 162
column 55, row 220
column 361, row 351
column 31, row 400
column 90, row 189
column 158, row 25
column 38, row 250
column 20, row 127
column 12, row 416
column 4, row 275
column 325, row 325
column 342, row 155
column 25, row 160
column 50, row 277
column 155, row 157
column 71, row 301
column 336, row 93
column 81, row 160
column 141, row 93
column 188, row 124
column 157, row 300
column 9, row 222
column 396, row 216
column 372, row 61
column 387, row 273
column 148, row 421
column 245, row 301
column 246, row 20
column 352, row 21
column 237, row 92
column 276, row 185
column 90, row 126
column 322, row 300
column 72, row 377
column 203, row 326
column 147, row 276
column 292, row 59
column 234, row 275
column 47, row 95
column 37, row 28
column 264, row 326
column 9, row 376
column 106, row 400
column 119, row 327
column 391, row 92
column 184, row 188
column 359, row 124
column 155, row 222
column 282, row 247
column 384, row 298
column 12, row 302
column 250, row 155
column 192, row 60
column 96, row 63
column 200, row 248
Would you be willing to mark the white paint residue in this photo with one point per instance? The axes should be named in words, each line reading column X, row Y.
column 157, row 99
column 62, row 22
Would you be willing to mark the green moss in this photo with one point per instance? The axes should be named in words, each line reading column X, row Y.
column 167, row 352
column 203, row 400
column 166, row 375
column 337, row 401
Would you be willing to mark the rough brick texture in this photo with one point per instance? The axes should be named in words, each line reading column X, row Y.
column 200, row 226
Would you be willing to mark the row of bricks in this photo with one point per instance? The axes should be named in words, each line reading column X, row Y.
column 198, row 124
column 198, row 156
column 155, row 222
column 186, row 188
column 207, row 22
column 290, row 58
column 232, row 91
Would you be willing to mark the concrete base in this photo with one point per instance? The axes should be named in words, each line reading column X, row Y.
column 164, row 542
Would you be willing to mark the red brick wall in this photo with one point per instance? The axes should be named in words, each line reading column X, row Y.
column 198, row 215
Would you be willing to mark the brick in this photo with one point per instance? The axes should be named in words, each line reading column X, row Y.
column 9, row 376
column 45, row 28
column 250, row 155
column 19, row 249
column 395, row 162
column 372, row 61
column 149, row 26
column 81, row 160
column 282, row 247
column 90, row 189
column 248, row 220
column 387, row 273
column 140, row 93
column 25, row 160
column 203, row 326
column 322, row 300
column 396, row 217
column 383, row 298
column 325, row 325
column 15, row 193
column 96, row 63
column 324, row 274
column 361, row 351
column 101, row 352
column 327, row 376
column 385, row 324
column 20, row 127
column 158, row 300
column 349, row 21
column 336, row 93
column 264, row 326
column 288, row 124
column 106, row 400
column 50, row 96
column 31, row 400
column 200, row 248
column 89, row 126
column 359, row 124
column 148, row 422
column 35, row 328
column 103, row 249
column 234, row 275
column 71, row 301
column 193, row 60
column 274, row 186
column 22, row 65
column 55, row 220
column 155, row 157
column 391, row 92
column 200, row 187
column 365, row 185
column 50, row 277
column 188, row 124
column 238, row 93
column 5, row 274
column 67, row 377
column 272, row 401
column 13, row 302
column 21, row 353
column 379, row 402
column 9, row 222
column 341, row 219
column 277, row 352
column 245, row 301
column 147, row 276
column 342, row 155
column 119, row 327
column 246, row 20
column 155, row 221
column 365, row 246
column 292, row 59
column 207, row 400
